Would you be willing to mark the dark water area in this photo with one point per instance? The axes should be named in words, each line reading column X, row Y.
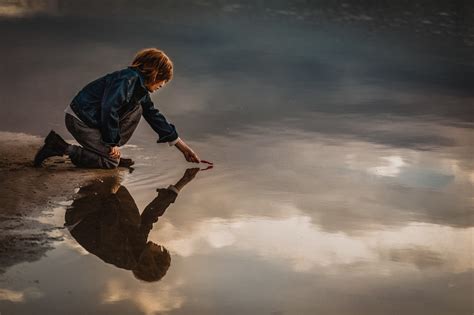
column 342, row 137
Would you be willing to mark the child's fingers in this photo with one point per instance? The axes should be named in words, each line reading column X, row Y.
column 115, row 154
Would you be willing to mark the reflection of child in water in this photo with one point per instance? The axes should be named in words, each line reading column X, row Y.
column 106, row 221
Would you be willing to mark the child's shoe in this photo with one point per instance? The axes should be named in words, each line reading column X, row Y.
column 54, row 145
column 124, row 162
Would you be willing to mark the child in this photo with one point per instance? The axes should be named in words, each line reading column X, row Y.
column 104, row 114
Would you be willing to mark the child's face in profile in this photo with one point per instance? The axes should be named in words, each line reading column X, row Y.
column 152, row 87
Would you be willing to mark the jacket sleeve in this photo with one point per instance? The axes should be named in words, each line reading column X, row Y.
column 166, row 131
column 156, row 209
column 115, row 95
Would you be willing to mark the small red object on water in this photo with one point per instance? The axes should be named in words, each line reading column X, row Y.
column 207, row 168
column 207, row 162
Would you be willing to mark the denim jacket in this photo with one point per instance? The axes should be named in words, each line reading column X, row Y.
column 102, row 102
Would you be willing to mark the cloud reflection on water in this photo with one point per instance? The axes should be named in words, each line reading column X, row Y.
column 302, row 245
column 334, row 180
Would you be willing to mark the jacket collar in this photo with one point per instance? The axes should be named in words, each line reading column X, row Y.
column 140, row 76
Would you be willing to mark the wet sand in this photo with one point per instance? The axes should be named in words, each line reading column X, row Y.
column 28, row 193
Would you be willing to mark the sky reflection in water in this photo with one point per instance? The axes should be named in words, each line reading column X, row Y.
column 343, row 178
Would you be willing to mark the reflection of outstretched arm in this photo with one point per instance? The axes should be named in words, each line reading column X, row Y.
column 187, row 177
column 158, row 206
column 165, row 197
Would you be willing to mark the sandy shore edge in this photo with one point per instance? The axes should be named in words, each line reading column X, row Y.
column 27, row 193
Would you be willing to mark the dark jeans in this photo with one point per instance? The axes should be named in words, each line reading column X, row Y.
column 93, row 153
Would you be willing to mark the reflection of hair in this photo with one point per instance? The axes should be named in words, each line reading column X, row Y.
column 153, row 263
column 153, row 64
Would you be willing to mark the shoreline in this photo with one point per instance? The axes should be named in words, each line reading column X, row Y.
column 26, row 193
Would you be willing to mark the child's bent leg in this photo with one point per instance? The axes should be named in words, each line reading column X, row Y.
column 129, row 123
column 93, row 153
column 85, row 158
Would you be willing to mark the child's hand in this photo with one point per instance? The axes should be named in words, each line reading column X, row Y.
column 188, row 153
column 191, row 156
column 114, row 153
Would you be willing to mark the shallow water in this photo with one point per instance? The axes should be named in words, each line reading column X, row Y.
column 343, row 165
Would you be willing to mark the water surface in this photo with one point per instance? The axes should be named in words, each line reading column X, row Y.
column 342, row 147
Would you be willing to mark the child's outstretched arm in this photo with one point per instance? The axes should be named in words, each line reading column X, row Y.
column 166, row 131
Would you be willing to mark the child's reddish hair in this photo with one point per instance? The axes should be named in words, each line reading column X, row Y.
column 154, row 65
